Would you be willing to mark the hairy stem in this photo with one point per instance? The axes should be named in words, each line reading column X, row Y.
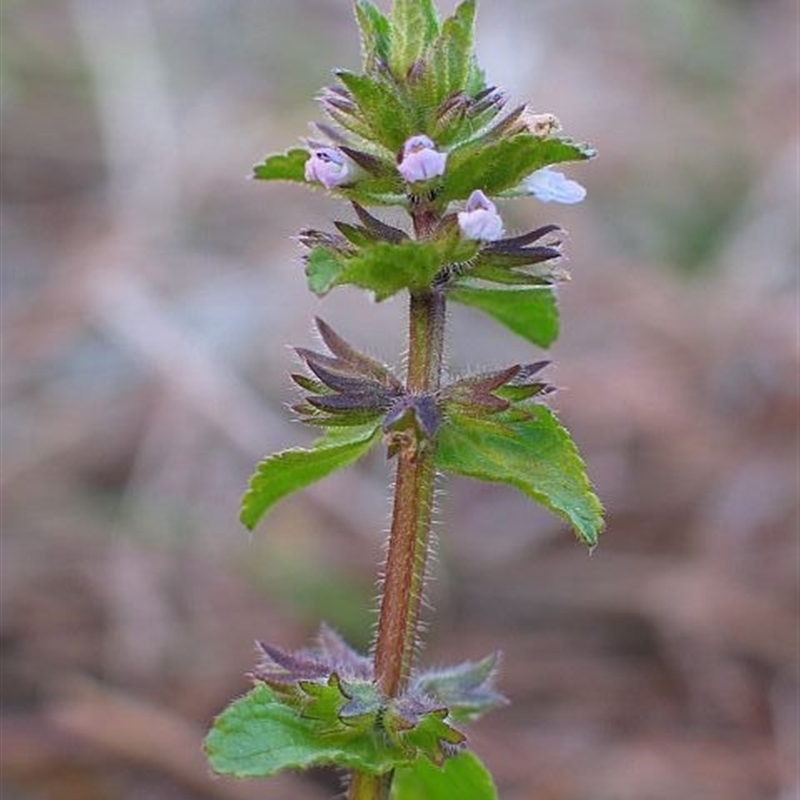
column 411, row 516
column 404, row 571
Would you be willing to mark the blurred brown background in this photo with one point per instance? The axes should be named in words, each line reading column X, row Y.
column 149, row 293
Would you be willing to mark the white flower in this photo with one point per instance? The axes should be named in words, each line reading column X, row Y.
column 330, row 167
column 420, row 160
column 546, row 184
column 480, row 220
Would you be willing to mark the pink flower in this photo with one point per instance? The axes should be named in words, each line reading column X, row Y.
column 546, row 184
column 420, row 160
column 480, row 220
column 330, row 167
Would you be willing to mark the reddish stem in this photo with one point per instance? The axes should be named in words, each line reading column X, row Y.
column 404, row 571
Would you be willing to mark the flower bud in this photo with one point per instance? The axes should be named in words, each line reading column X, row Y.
column 420, row 160
column 330, row 167
column 480, row 220
column 548, row 185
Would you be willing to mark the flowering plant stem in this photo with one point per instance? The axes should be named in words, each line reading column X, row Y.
column 422, row 130
column 411, row 523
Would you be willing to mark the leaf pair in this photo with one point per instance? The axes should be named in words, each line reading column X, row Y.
column 322, row 705
column 256, row 736
column 486, row 426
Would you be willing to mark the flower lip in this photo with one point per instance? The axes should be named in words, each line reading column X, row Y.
column 420, row 160
column 480, row 220
column 416, row 143
column 329, row 166
column 548, row 185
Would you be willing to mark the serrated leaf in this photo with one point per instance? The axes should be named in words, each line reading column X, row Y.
column 381, row 108
column 257, row 735
column 375, row 34
column 343, row 710
column 476, row 78
column 535, row 454
column 322, row 701
column 289, row 166
column 283, row 473
column 323, row 268
column 414, row 24
column 451, row 54
column 431, row 736
column 502, row 165
column 462, row 777
column 386, row 268
column 531, row 312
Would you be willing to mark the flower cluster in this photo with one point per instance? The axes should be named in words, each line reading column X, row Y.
column 419, row 161
column 335, row 686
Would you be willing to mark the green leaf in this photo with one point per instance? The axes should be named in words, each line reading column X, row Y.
column 386, row 268
column 462, row 777
column 283, row 473
column 415, row 24
column 539, row 275
column 333, row 437
column 328, row 703
column 531, row 312
column 381, row 108
column 375, row 34
column 289, row 166
column 430, row 736
column 451, row 55
column 535, row 454
column 501, row 165
column 355, row 234
column 257, row 735
column 323, row 268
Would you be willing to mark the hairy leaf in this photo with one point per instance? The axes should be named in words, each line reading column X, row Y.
column 381, row 107
column 257, row 735
column 462, row 777
column 501, row 165
column 323, row 268
column 430, row 735
column 357, row 707
column 535, row 454
column 375, row 34
column 530, row 312
column 289, row 166
column 283, row 473
column 415, row 23
column 451, row 54
column 386, row 268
